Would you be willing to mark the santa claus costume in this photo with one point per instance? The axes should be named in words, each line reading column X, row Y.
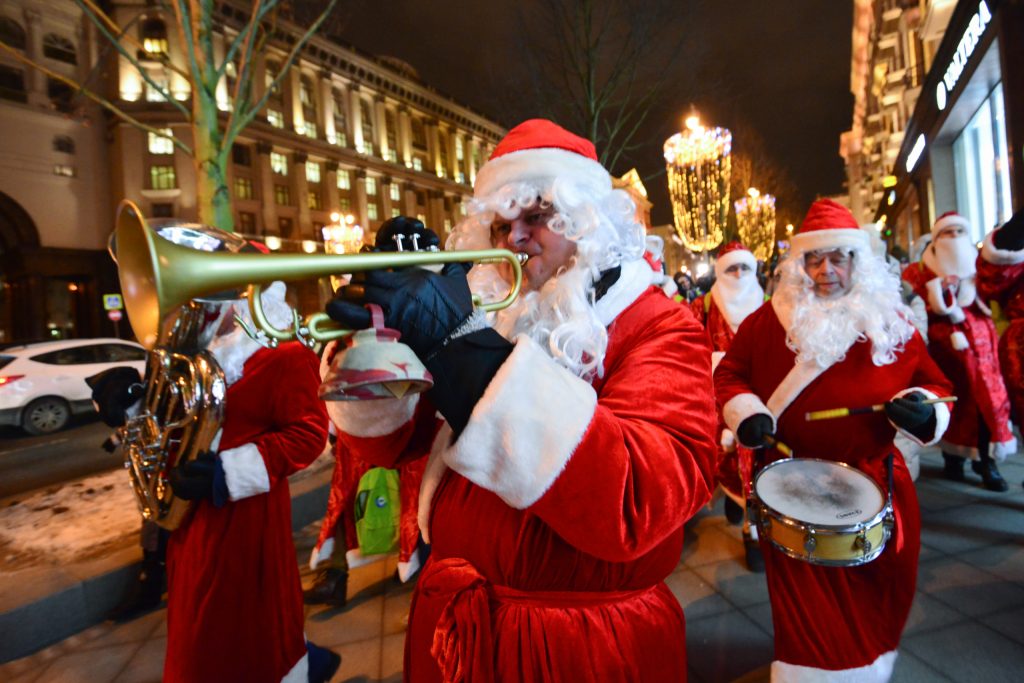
column 234, row 609
column 802, row 353
column 735, row 295
column 962, row 340
column 1000, row 278
column 556, row 508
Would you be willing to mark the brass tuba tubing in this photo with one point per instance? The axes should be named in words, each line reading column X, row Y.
column 158, row 276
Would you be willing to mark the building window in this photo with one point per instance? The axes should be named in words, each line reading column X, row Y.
column 395, row 212
column 275, row 118
column 272, row 69
column 244, row 188
column 64, row 170
column 162, row 178
column 981, row 162
column 447, row 225
column 156, row 94
column 371, row 211
column 344, row 179
column 284, row 226
column 161, row 210
column 12, row 33
column 63, row 143
column 460, row 177
column 371, row 186
column 344, row 204
column 421, row 217
column 314, row 200
column 246, row 223
column 442, row 153
column 394, row 192
column 279, row 163
column 161, row 144
column 59, row 48
column 241, row 155
column 282, row 195
column 340, row 120
column 61, row 95
column 309, row 129
column 312, row 172
column 419, row 134
column 154, row 38
column 366, row 114
column 417, row 164
column 391, row 122
column 459, row 151
column 12, row 84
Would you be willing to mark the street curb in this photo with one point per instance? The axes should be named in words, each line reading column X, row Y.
column 31, row 626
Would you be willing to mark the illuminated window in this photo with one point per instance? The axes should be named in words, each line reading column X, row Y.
column 64, row 170
column 246, row 223
column 366, row 114
column 442, row 153
column 161, row 144
column 275, row 118
column 344, row 204
column 309, row 129
column 395, row 212
column 156, row 94
column 279, row 163
column 312, row 172
column 340, row 121
column 270, row 75
column 154, row 38
column 460, row 177
column 282, row 195
column 371, row 187
column 419, row 134
column 371, row 211
column 395, row 192
column 162, row 178
column 59, row 48
column 417, row 164
column 314, row 200
column 458, row 148
column 306, row 92
column 244, row 188
column 421, row 217
column 344, row 179
column 447, row 224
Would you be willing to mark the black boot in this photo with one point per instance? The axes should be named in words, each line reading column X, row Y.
column 733, row 511
column 989, row 473
column 330, row 588
column 954, row 470
column 752, row 553
column 323, row 663
column 146, row 592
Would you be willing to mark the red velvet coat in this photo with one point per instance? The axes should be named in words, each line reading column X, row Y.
column 1001, row 278
column 831, row 618
column 564, row 580
column 234, row 608
column 974, row 372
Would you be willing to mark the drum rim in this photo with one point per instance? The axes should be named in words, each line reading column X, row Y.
column 835, row 528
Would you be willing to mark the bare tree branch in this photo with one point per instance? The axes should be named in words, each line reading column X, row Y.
column 122, row 34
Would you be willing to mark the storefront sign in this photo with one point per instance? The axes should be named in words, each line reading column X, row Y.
column 915, row 153
column 968, row 41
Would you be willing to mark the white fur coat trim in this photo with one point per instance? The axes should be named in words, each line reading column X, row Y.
column 716, row 358
column 740, row 407
column 937, row 301
column 245, row 472
column 1000, row 257
column 959, row 341
column 321, row 553
column 368, row 419
column 941, row 417
column 299, row 672
column 512, row 446
column 792, row 385
column 878, row 671
column 634, row 279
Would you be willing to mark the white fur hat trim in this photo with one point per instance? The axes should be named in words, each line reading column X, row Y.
column 546, row 163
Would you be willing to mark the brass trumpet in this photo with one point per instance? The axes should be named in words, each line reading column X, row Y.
column 158, row 277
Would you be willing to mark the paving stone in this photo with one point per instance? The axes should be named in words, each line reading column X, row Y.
column 968, row 528
column 708, row 543
column 1005, row 560
column 969, row 652
column 738, row 585
column 910, row 669
column 1010, row 624
column 392, row 657
column 356, row 621
column 928, row 614
column 360, row 661
column 134, row 631
column 89, row 666
column 966, row 588
column 397, row 600
column 696, row 596
column 147, row 665
column 726, row 646
column 762, row 616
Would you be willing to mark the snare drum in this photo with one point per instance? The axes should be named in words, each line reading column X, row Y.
column 822, row 512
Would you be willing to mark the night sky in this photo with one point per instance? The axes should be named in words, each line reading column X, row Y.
column 779, row 71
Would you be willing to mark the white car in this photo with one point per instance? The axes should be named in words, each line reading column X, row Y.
column 43, row 385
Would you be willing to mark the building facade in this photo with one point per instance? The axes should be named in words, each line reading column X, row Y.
column 343, row 133
column 960, row 149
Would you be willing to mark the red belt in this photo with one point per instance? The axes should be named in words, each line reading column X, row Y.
column 463, row 643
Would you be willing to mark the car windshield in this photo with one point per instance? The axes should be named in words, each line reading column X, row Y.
column 4, row 360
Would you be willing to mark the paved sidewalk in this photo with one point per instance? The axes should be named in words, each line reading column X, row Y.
column 967, row 623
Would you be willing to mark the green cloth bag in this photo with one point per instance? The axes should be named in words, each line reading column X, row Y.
column 377, row 510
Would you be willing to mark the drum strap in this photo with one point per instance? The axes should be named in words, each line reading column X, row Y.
column 888, row 472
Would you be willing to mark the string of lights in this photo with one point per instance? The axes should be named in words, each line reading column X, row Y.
column 755, row 218
column 699, row 167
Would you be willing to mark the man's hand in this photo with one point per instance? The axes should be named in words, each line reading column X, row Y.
column 402, row 233
column 911, row 414
column 202, row 477
column 754, row 431
column 424, row 306
column 114, row 391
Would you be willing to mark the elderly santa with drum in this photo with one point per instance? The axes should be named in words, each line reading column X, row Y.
column 840, row 528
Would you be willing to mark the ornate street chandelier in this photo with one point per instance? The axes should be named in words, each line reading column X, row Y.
column 755, row 217
column 699, row 167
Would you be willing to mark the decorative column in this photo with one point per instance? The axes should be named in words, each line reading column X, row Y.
column 359, row 189
column 331, row 179
column 301, row 189
column 404, row 137
column 380, row 130
column 385, row 198
column 265, row 177
column 35, row 80
column 355, row 116
column 327, row 106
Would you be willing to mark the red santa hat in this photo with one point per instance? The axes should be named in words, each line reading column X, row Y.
column 539, row 149
column 828, row 225
column 731, row 254
column 950, row 219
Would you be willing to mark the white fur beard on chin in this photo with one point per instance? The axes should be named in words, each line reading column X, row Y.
column 956, row 256
column 738, row 297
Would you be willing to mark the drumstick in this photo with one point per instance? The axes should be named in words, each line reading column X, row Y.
column 779, row 446
column 877, row 408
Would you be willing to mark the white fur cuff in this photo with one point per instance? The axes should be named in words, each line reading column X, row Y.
column 959, row 341
column 321, row 554
column 879, row 671
column 1000, row 257
column 941, row 417
column 740, row 407
column 367, row 419
column 525, row 428
column 1001, row 450
column 245, row 472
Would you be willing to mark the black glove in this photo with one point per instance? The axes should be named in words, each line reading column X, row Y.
column 910, row 414
column 201, row 477
column 405, row 229
column 1010, row 237
column 754, row 431
column 114, row 391
column 424, row 306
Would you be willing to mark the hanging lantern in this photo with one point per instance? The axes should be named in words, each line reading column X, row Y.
column 755, row 217
column 699, row 166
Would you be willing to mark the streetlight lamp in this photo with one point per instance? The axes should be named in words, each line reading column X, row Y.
column 755, row 217
column 699, row 167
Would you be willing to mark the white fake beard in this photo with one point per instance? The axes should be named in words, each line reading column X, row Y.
column 737, row 297
column 955, row 256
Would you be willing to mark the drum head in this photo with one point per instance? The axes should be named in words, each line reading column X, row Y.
column 819, row 492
